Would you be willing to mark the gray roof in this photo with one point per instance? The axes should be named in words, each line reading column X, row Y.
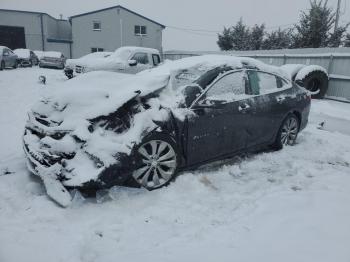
column 31, row 12
column 121, row 7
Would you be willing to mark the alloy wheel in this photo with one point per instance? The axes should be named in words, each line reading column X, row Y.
column 289, row 131
column 158, row 164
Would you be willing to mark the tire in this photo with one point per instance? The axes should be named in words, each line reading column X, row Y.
column 15, row 65
column 316, row 81
column 156, row 162
column 288, row 132
column 2, row 65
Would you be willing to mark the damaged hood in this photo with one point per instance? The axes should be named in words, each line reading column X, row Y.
column 91, row 95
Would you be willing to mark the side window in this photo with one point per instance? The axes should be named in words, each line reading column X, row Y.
column 96, row 49
column 141, row 58
column 96, row 26
column 227, row 87
column 156, row 60
column 140, row 30
column 263, row 83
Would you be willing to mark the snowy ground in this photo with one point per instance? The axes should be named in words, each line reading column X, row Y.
column 291, row 205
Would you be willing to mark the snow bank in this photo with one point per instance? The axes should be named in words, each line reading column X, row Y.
column 22, row 53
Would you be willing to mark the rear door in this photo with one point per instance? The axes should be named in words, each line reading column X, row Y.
column 271, row 101
column 217, row 127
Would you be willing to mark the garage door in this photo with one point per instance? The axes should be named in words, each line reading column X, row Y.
column 12, row 37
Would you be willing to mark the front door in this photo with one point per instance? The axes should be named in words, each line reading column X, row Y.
column 218, row 125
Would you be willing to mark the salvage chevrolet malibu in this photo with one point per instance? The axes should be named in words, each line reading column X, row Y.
column 103, row 129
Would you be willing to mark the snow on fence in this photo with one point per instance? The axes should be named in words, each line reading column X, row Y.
column 335, row 60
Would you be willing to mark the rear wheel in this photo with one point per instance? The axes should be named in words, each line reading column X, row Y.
column 288, row 132
column 156, row 162
column 2, row 65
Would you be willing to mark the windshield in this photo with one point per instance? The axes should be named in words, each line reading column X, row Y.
column 122, row 54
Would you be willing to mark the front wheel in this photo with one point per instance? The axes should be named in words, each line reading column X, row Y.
column 288, row 132
column 156, row 163
column 15, row 65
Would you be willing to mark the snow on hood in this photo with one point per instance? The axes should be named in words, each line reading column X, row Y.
column 94, row 94
column 85, row 59
column 22, row 53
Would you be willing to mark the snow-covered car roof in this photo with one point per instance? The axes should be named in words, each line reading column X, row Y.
column 22, row 53
column 2, row 47
column 125, row 52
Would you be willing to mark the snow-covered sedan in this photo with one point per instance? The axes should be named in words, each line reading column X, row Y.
column 104, row 129
column 26, row 57
column 127, row 59
column 52, row 59
column 72, row 63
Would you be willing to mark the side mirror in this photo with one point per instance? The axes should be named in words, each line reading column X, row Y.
column 191, row 93
column 132, row 62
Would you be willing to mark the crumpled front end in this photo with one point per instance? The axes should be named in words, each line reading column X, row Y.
column 58, row 154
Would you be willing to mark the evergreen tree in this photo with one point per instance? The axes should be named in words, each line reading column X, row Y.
column 314, row 26
column 256, row 37
column 347, row 41
column 225, row 40
column 336, row 39
column 240, row 36
column 279, row 39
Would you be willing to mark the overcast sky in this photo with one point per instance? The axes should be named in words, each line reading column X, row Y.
column 210, row 15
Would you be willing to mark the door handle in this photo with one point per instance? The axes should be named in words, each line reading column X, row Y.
column 243, row 107
column 280, row 99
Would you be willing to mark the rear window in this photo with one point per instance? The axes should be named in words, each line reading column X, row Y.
column 264, row 83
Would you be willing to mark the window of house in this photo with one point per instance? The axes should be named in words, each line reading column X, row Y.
column 140, row 30
column 141, row 58
column 156, row 60
column 96, row 25
column 96, row 49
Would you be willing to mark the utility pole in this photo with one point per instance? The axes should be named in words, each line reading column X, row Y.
column 337, row 17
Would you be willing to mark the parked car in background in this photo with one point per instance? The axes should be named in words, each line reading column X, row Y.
column 26, row 57
column 71, row 63
column 52, row 59
column 39, row 54
column 109, row 129
column 7, row 58
column 127, row 59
